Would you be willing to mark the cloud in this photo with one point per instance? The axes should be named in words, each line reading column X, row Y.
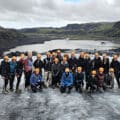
column 35, row 13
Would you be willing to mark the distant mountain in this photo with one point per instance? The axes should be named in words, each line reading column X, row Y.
column 102, row 30
column 114, row 31
column 98, row 31
column 9, row 38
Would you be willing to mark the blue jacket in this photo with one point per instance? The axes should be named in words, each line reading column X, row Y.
column 67, row 80
column 13, row 67
column 35, row 79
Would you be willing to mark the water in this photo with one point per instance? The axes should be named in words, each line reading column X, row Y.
column 67, row 44
column 51, row 104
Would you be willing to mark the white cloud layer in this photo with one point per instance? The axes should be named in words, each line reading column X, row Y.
column 35, row 13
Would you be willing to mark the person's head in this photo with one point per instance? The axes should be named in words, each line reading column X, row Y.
column 73, row 54
column 48, row 54
column 96, row 55
column 14, row 58
column 37, row 71
column 29, row 54
column 64, row 59
column 66, row 55
column 93, row 73
column 56, row 60
column 53, row 54
column 115, row 57
column 79, row 69
column 38, row 56
column 67, row 70
column 101, row 70
column 81, row 54
column 111, row 70
column 58, row 52
column 87, row 56
column 6, row 58
column 22, row 56
column 104, row 55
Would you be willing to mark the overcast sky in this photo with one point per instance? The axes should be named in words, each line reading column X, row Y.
column 55, row 13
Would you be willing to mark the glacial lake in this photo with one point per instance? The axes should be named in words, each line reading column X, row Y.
column 67, row 44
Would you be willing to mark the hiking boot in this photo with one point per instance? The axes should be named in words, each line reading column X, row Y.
column 11, row 90
column 18, row 91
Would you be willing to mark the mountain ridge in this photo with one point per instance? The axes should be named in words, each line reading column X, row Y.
column 10, row 38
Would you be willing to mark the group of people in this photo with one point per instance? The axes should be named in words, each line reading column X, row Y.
column 61, row 71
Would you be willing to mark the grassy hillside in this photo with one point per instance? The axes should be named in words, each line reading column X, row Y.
column 79, row 31
column 10, row 38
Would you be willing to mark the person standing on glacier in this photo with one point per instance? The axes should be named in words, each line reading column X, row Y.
column 13, row 64
column 5, row 73
column 115, row 64
column 28, row 66
column 19, row 71
column 47, row 69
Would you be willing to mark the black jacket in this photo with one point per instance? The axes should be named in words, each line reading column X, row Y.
column 19, row 67
column 72, row 63
column 38, row 64
column 79, row 77
column 5, row 69
column 116, row 66
column 105, row 65
column 60, row 58
column 81, row 63
column 96, row 64
column 47, row 64
column 56, row 70
column 92, row 80
column 87, row 66
column 64, row 66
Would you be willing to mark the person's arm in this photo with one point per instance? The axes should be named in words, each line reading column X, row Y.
column 59, row 70
column 82, row 77
column 40, row 79
column 34, row 64
column 71, row 78
column 62, row 79
column 53, row 70
column 42, row 64
column 32, row 80
column 111, row 65
column 2, row 69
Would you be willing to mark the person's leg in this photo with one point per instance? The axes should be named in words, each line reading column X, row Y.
column 117, row 76
column 104, row 86
column 50, row 78
column 57, row 84
column 62, row 89
column 27, row 79
column 87, row 85
column 12, row 81
column 40, row 85
column 80, row 87
column 100, row 87
column 69, row 89
column 34, row 89
column 76, row 86
column 29, row 75
column 112, row 83
column 46, row 78
column 18, row 82
column 6, row 83
column 53, row 82
column 56, row 81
